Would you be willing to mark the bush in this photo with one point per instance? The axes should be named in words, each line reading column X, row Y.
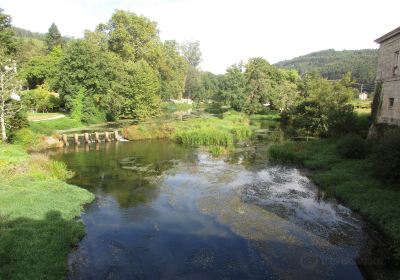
column 26, row 138
column 285, row 153
column 341, row 121
column 386, row 157
column 352, row 146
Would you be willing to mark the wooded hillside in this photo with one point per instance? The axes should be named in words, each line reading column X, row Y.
column 333, row 64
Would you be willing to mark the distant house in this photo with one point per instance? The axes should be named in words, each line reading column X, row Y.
column 388, row 73
column 363, row 96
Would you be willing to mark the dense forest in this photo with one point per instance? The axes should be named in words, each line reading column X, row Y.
column 333, row 64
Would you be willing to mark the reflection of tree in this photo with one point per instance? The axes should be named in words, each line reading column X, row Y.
column 102, row 171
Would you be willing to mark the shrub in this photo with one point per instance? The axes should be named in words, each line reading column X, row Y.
column 386, row 157
column 341, row 121
column 352, row 146
column 285, row 153
column 27, row 138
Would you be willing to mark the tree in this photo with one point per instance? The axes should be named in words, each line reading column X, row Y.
column 133, row 37
column 43, row 69
column 53, row 37
column 232, row 88
column 191, row 52
column 173, row 68
column 40, row 99
column 7, row 41
column 208, row 88
column 139, row 85
column 86, row 66
column 9, row 98
column 192, row 82
column 259, row 84
column 325, row 109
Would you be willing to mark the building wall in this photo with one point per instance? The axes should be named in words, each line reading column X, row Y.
column 391, row 83
column 390, row 114
column 386, row 58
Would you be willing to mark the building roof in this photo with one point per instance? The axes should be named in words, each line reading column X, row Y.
column 388, row 35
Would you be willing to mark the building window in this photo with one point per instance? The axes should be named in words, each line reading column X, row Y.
column 396, row 62
column 391, row 102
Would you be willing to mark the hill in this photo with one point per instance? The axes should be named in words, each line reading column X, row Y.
column 26, row 34
column 333, row 64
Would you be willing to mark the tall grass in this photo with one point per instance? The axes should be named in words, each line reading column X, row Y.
column 204, row 136
column 205, row 131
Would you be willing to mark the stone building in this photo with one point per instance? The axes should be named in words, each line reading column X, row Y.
column 388, row 73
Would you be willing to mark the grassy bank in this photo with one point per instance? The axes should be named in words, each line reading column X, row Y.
column 217, row 133
column 37, row 215
column 40, row 135
column 48, row 127
column 350, row 180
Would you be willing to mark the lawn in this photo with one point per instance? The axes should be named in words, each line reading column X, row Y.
column 38, row 212
column 49, row 127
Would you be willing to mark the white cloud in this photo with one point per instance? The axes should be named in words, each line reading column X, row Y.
column 228, row 30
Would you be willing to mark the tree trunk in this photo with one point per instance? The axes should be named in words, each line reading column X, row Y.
column 3, row 125
column 184, row 85
column 2, row 111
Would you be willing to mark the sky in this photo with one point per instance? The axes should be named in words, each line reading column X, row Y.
column 229, row 31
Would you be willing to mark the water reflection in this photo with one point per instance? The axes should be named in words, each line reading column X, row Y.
column 164, row 211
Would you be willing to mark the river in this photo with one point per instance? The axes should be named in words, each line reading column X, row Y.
column 164, row 211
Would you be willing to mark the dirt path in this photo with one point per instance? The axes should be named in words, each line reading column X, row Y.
column 49, row 119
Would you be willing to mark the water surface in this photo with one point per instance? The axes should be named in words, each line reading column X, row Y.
column 164, row 211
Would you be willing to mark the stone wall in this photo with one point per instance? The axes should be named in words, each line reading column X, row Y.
column 389, row 111
column 386, row 58
column 390, row 114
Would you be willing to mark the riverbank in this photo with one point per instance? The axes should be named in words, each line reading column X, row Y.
column 349, row 180
column 38, row 212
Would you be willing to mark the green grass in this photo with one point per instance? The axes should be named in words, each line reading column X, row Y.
column 37, row 215
column 350, row 180
column 51, row 126
column 204, row 131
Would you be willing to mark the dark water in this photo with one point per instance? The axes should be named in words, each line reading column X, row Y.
column 164, row 211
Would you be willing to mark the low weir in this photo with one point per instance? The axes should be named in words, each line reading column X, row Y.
column 87, row 138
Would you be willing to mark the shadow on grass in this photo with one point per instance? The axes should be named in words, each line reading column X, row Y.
column 37, row 249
